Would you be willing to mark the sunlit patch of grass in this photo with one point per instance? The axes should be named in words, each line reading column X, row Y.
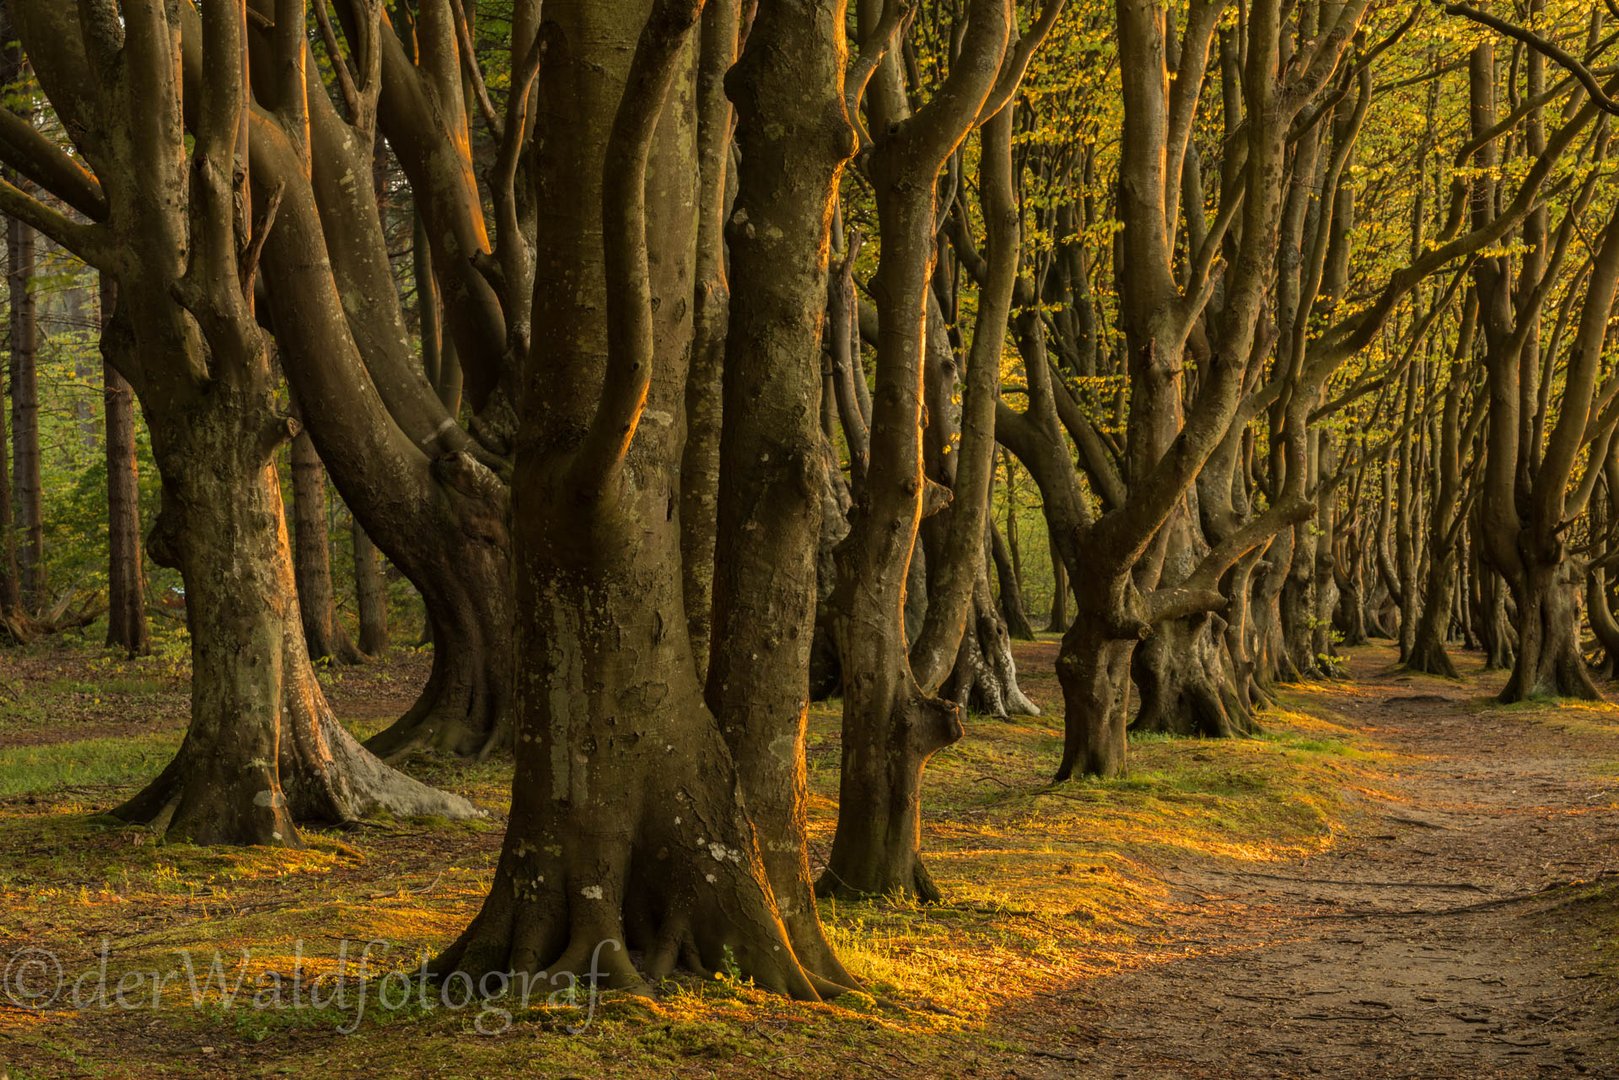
column 1591, row 719
column 1039, row 878
column 104, row 762
column 1043, row 883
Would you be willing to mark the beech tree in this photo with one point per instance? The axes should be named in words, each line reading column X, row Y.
column 170, row 224
column 684, row 405
column 631, row 821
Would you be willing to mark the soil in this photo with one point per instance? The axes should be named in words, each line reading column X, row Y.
column 1453, row 934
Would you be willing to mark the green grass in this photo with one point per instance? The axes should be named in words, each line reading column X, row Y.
column 86, row 763
column 1043, row 883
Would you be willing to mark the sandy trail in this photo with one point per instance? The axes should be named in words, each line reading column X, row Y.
column 1440, row 939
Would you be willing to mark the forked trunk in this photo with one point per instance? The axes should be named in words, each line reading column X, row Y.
column 877, row 852
column 627, row 828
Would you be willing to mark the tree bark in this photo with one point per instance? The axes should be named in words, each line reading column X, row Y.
column 127, row 628
column 324, row 634
column 700, row 464
column 29, row 507
column 263, row 752
column 1092, row 668
column 629, row 828
column 1548, row 661
column 175, row 224
column 772, row 447
column 370, row 593
column 892, row 721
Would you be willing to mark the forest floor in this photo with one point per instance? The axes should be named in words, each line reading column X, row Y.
column 1397, row 878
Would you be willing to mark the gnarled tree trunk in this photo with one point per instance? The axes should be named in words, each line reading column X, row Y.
column 629, row 829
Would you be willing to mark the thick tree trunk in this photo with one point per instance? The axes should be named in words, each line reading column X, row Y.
column 1428, row 643
column 1188, row 682
column 370, row 592
column 1187, row 679
column 628, row 828
column 876, row 850
column 1092, row 668
column 407, row 471
column 263, row 751
column 127, row 628
column 324, row 633
column 892, row 724
column 465, row 708
column 772, row 448
column 29, row 506
column 1548, row 662
column 254, row 760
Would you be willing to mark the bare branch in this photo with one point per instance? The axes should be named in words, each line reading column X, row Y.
column 896, row 13
column 1562, row 57
column 469, row 61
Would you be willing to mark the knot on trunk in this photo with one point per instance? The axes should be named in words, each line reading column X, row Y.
column 933, row 723
column 279, row 429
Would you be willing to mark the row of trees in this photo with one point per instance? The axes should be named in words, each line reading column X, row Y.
column 683, row 402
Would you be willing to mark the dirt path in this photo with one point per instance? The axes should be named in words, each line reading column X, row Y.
column 1423, row 945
